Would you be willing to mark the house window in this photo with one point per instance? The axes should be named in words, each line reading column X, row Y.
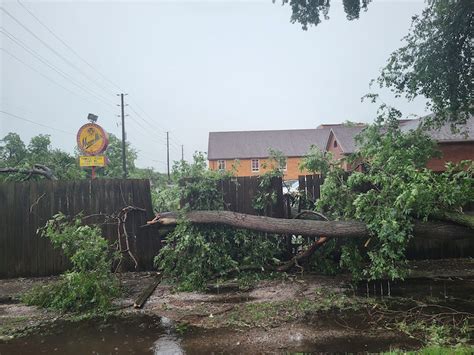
column 285, row 167
column 255, row 165
column 335, row 144
column 221, row 165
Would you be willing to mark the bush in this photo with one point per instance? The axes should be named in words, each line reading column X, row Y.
column 195, row 254
column 192, row 254
column 89, row 285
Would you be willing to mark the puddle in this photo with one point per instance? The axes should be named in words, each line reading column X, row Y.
column 142, row 334
column 145, row 334
column 137, row 335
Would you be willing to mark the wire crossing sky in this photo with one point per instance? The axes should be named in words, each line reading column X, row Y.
column 189, row 67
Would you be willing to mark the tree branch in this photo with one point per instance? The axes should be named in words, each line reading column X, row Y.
column 37, row 169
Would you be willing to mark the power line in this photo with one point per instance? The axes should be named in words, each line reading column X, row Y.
column 45, row 61
column 148, row 122
column 173, row 145
column 150, row 125
column 68, row 46
column 45, row 76
column 147, row 130
column 49, row 47
column 36, row 123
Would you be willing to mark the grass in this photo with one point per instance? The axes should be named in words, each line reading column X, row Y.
column 265, row 314
column 436, row 350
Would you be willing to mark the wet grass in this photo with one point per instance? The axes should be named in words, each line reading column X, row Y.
column 268, row 314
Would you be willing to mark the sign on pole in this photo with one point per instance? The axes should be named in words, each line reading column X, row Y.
column 92, row 160
column 92, row 139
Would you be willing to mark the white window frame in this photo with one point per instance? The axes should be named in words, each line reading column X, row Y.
column 221, row 165
column 257, row 168
column 285, row 168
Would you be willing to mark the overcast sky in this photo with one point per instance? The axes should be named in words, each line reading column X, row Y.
column 190, row 67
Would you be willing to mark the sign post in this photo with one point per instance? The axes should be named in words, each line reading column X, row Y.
column 92, row 140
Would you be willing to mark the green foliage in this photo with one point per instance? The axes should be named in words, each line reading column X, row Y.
column 436, row 61
column 198, row 185
column 14, row 154
column 308, row 13
column 265, row 196
column 437, row 334
column 193, row 255
column 436, row 350
column 270, row 314
column 114, row 168
column 89, row 285
column 395, row 189
column 13, row 150
column 317, row 161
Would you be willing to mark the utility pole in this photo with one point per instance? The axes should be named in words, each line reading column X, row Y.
column 124, row 159
column 182, row 152
column 168, row 154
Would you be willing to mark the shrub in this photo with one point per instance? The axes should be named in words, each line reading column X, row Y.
column 89, row 285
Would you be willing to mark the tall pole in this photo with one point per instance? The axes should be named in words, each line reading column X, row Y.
column 124, row 160
column 182, row 152
column 168, row 154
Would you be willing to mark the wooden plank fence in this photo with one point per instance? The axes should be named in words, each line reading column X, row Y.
column 239, row 194
column 26, row 206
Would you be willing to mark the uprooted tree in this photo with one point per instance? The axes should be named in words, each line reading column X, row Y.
column 404, row 199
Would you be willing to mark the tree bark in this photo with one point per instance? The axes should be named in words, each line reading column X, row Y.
column 331, row 229
column 457, row 217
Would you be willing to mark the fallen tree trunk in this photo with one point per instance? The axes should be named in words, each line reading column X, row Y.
column 457, row 217
column 269, row 224
column 331, row 229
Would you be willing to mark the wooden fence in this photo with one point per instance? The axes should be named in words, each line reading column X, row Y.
column 310, row 189
column 239, row 194
column 26, row 206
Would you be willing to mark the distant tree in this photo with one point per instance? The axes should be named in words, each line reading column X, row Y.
column 309, row 12
column 13, row 151
column 435, row 61
column 114, row 167
column 14, row 154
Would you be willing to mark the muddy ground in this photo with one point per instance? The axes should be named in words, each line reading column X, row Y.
column 297, row 312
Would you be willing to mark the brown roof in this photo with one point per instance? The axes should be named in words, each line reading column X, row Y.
column 444, row 134
column 256, row 144
column 345, row 136
column 297, row 142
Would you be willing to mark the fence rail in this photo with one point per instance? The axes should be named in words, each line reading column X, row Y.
column 26, row 206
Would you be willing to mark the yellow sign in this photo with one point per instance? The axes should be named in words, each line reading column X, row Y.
column 93, row 160
column 92, row 139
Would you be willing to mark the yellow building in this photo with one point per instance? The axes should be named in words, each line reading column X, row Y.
column 247, row 152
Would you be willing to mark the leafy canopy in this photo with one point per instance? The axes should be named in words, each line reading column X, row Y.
column 15, row 154
column 436, row 61
column 309, row 12
column 195, row 254
column 393, row 191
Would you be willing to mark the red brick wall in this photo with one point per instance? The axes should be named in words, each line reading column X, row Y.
column 337, row 152
column 452, row 152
